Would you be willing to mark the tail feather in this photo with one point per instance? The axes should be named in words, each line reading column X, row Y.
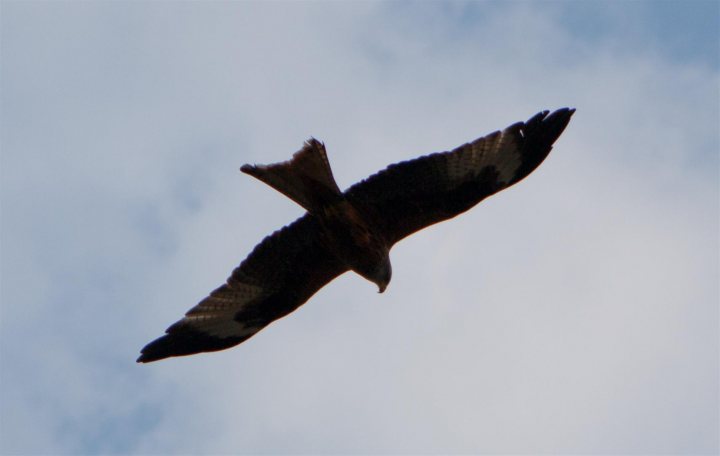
column 306, row 178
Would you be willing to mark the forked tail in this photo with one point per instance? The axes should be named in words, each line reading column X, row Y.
column 306, row 178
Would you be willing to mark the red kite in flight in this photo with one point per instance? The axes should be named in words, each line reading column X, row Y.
column 351, row 230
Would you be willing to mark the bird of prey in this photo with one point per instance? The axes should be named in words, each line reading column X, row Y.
column 351, row 230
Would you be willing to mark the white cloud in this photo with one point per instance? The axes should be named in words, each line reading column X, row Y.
column 574, row 313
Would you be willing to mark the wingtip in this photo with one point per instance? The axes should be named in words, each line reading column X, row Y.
column 561, row 117
column 145, row 357
column 181, row 340
column 563, row 112
column 255, row 171
column 156, row 350
column 247, row 169
column 539, row 133
column 313, row 142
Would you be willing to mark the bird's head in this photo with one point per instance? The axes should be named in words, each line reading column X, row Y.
column 382, row 274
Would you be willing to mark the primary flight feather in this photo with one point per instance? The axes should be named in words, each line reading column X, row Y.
column 351, row 230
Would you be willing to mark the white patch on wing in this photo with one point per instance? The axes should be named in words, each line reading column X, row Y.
column 471, row 158
column 499, row 150
column 507, row 156
column 215, row 315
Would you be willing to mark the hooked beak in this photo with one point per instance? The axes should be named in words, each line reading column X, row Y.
column 382, row 274
column 384, row 278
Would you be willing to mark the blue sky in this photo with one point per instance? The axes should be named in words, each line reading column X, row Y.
column 574, row 313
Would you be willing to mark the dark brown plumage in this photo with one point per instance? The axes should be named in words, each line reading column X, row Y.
column 351, row 230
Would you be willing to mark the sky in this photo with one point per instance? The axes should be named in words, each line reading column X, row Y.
column 576, row 312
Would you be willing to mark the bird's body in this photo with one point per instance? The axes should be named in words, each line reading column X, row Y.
column 351, row 230
column 344, row 229
column 357, row 242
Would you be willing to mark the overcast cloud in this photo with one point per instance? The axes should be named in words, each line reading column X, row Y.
column 574, row 313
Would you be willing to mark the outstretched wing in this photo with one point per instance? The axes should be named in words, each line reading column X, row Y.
column 411, row 195
column 280, row 274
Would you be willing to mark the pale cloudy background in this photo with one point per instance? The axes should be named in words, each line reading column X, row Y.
column 574, row 313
